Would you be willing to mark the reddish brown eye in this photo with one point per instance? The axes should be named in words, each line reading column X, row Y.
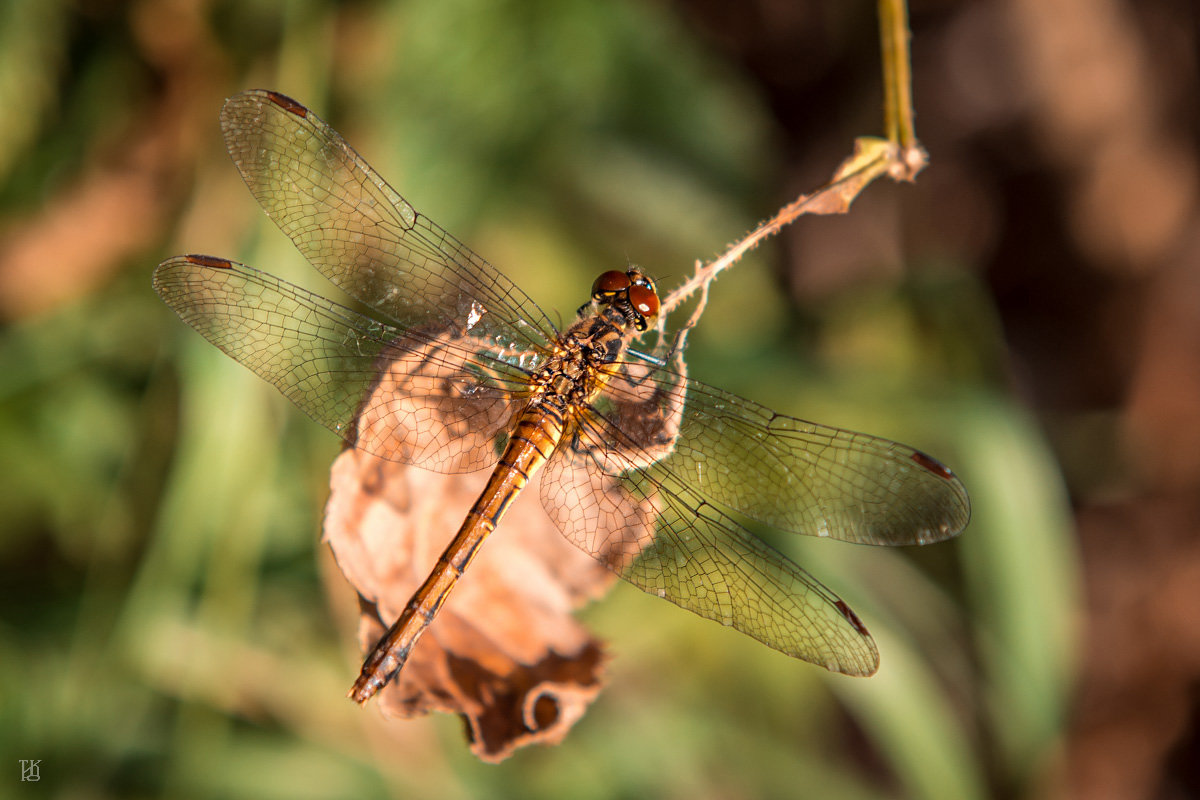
column 609, row 283
column 644, row 300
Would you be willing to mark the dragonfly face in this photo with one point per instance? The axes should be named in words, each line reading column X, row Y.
column 642, row 468
column 632, row 293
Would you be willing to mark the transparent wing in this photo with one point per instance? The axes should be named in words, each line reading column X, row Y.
column 362, row 235
column 784, row 472
column 660, row 535
column 436, row 399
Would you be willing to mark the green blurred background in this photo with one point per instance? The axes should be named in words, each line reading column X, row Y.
column 1029, row 312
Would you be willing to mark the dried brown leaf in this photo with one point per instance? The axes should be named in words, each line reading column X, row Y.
column 504, row 652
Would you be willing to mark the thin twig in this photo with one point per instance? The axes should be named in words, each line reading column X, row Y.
column 894, row 37
column 900, row 156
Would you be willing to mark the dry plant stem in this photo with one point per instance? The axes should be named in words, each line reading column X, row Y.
column 681, row 293
column 872, row 158
column 897, row 76
column 900, row 156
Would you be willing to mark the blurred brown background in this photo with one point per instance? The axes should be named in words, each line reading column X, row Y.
column 1028, row 311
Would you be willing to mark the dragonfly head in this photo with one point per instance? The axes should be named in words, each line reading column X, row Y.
column 631, row 293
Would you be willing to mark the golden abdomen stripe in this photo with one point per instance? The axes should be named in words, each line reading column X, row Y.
column 533, row 439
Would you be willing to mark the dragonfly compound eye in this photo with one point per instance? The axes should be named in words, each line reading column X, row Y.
column 609, row 283
column 645, row 302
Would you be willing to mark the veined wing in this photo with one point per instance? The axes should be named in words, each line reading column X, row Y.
column 660, row 535
column 784, row 472
column 362, row 235
column 436, row 398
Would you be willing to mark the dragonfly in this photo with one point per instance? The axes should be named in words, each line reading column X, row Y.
column 656, row 475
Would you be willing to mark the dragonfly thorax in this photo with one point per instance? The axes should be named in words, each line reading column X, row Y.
column 624, row 304
column 576, row 370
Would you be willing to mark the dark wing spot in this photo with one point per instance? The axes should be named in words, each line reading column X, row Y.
column 851, row 617
column 210, row 261
column 287, row 104
column 933, row 465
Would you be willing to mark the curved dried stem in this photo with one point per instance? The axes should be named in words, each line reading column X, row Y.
column 900, row 156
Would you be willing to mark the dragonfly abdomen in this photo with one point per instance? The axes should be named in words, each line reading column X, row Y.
column 533, row 439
